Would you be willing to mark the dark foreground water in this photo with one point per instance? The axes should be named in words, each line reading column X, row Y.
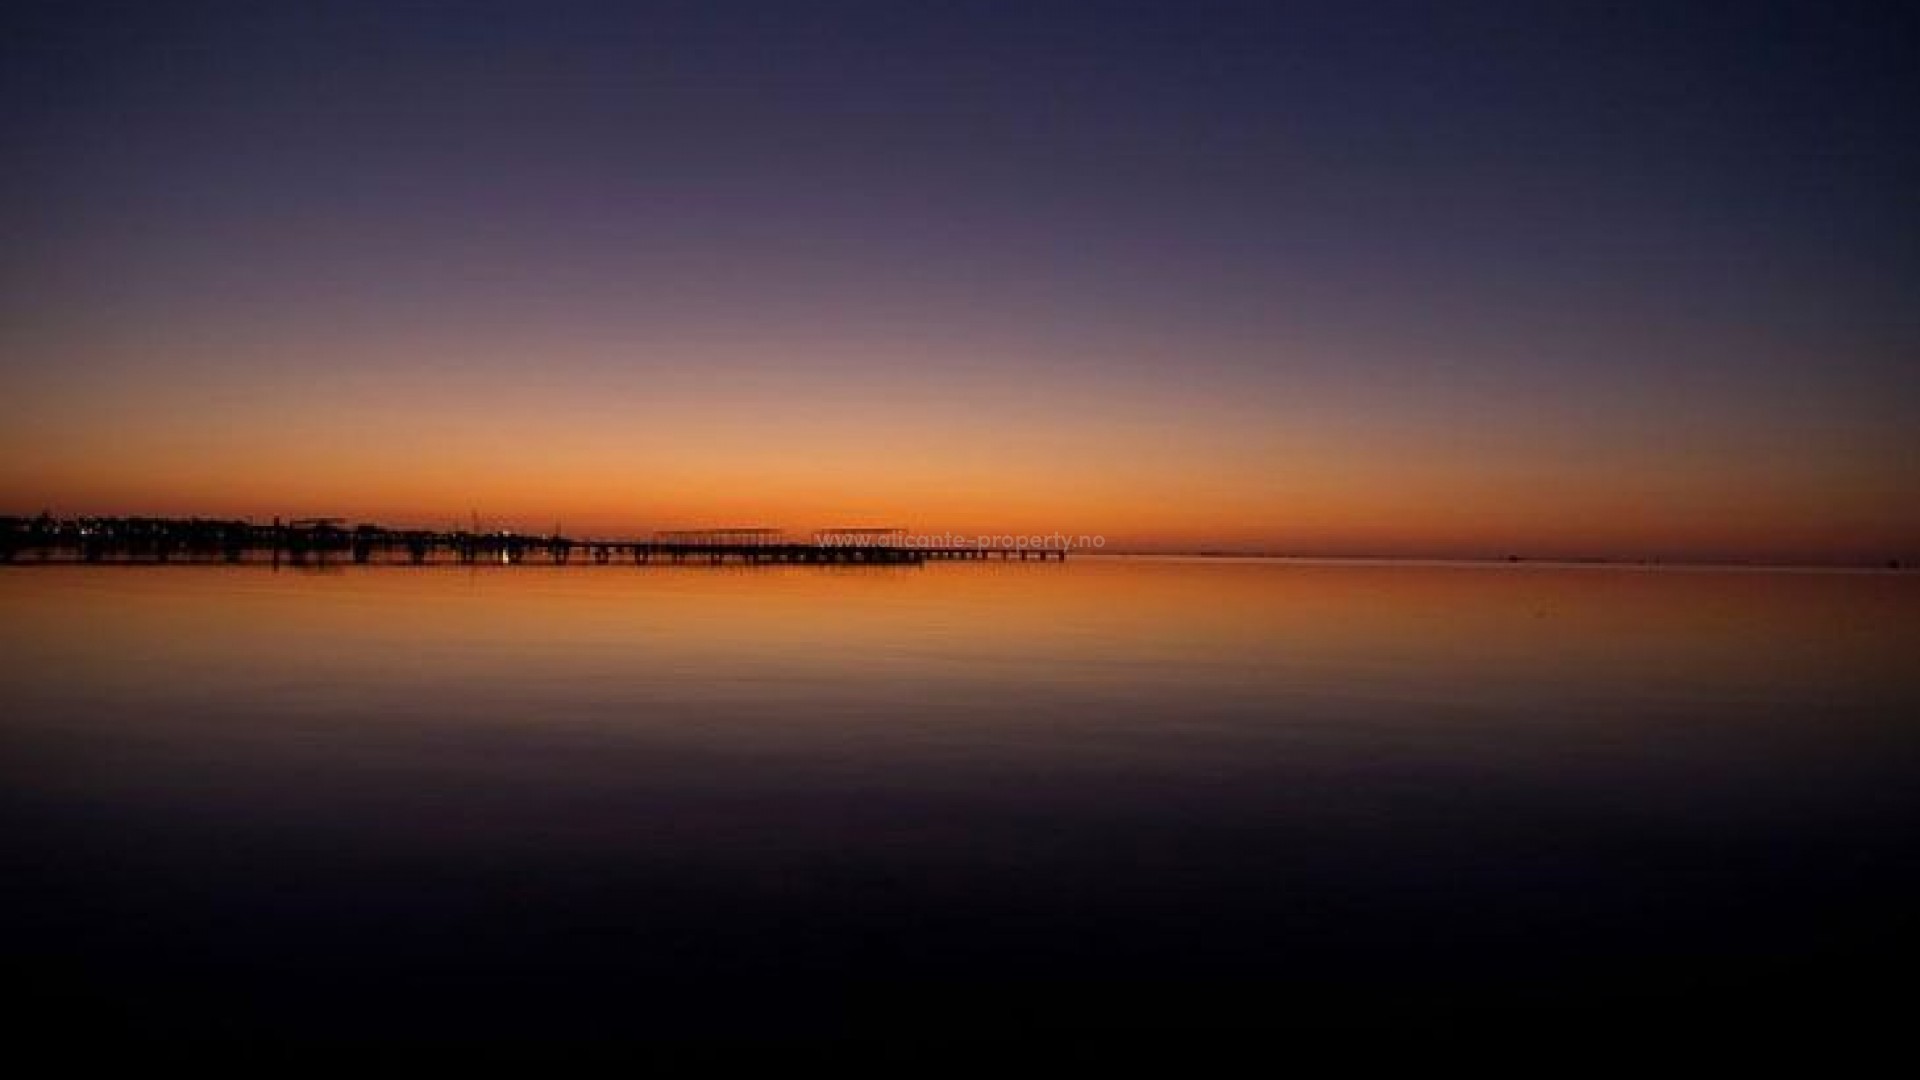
column 1105, row 804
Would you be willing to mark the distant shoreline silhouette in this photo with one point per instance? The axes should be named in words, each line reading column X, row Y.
column 146, row 539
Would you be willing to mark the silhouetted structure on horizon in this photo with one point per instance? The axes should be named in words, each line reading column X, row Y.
column 318, row 541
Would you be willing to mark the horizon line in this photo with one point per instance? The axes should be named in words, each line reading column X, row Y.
column 1216, row 550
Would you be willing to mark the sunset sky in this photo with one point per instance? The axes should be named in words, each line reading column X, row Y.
column 1362, row 278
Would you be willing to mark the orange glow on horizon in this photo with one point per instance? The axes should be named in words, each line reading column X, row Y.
column 841, row 438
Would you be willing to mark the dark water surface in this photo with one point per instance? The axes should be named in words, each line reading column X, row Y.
column 1105, row 801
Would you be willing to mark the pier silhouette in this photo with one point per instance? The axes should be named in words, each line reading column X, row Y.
column 320, row 541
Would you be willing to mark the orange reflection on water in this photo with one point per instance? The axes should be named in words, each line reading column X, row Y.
column 813, row 640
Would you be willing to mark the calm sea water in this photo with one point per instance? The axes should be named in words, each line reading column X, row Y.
column 1105, row 800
